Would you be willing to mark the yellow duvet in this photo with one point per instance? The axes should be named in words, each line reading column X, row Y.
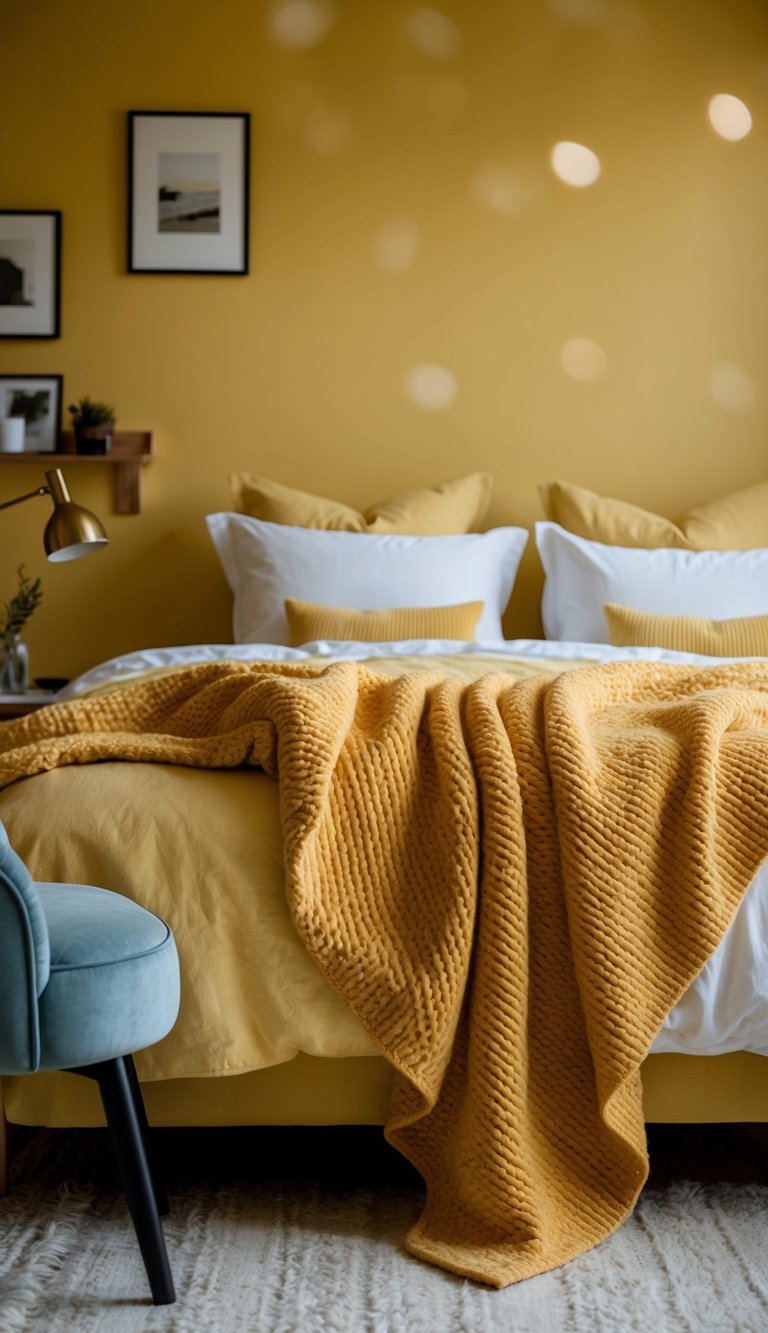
column 204, row 849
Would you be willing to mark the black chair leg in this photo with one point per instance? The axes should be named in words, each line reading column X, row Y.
column 163, row 1206
column 118, row 1095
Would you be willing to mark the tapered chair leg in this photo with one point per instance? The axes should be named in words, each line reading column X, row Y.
column 163, row 1206
column 117, row 1095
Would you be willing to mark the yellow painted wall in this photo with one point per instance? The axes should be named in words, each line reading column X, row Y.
column 299, row 370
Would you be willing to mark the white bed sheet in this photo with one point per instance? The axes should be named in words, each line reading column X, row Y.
column 726, row 1008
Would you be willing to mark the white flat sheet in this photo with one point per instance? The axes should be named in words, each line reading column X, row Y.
column 726, row 1008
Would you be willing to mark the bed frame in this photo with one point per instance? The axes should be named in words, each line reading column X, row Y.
column 310, row 1090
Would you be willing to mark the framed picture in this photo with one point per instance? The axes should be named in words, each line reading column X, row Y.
column 188, row 179
column 36, row 398
column 30, row 273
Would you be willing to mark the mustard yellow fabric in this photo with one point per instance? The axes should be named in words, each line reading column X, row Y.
column 613, row 522
column 310, row 621
column 736, row 522
column 745, row 636
column 455, row 506
column 258, row 999
column 614, row 855
column 310, row 1090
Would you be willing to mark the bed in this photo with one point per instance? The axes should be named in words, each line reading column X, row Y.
column 262, row 1037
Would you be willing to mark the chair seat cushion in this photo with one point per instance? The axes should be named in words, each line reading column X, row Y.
column 114, row 977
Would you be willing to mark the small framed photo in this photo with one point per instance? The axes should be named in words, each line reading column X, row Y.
column 36, row 398
column 188, row 183
column 30, row 273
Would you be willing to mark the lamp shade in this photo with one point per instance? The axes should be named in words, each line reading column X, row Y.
column 71, row 531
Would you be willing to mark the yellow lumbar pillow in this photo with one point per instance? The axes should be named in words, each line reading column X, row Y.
column 737, row 522
column 308, row 621
column 746, row 636
column 450, row 507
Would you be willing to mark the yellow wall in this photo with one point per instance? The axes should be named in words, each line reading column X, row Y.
column 299, row 369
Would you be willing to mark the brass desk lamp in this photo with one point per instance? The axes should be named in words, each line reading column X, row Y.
column 71, row 531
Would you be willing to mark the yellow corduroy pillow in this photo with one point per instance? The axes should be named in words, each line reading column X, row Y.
column 736, row 522
column 746, row 636
column 308, row 621
column 450, row 507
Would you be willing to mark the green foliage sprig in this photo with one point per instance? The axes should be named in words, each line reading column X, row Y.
column 89, row 412
column 16, row 613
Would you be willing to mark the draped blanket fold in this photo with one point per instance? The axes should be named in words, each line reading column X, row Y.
column 511, row 885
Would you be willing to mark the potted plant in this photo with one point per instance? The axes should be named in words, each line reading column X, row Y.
column 93, row 423
column 14, row 661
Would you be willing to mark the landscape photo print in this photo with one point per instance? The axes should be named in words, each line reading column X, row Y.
column 188, row 182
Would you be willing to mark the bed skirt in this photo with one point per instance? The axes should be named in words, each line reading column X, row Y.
column 309, row 1090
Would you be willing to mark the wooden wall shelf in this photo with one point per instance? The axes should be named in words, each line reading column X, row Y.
column 131, row 450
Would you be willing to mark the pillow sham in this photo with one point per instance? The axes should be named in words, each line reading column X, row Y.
column 737, row 522
column 746, row 636
column 308, row 621
column 581, row 576
column 267, row 562
column 450, row 507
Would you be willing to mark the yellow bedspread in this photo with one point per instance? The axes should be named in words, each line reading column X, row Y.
column 509, row 885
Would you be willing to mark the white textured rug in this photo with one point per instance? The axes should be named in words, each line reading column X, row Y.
column 314, row 1257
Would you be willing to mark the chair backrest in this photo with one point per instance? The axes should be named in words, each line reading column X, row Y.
column 25, row 963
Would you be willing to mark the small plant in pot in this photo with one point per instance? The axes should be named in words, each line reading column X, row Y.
column 14, row 655
column 93, row 423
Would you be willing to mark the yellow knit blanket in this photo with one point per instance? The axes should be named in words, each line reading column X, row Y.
column 510, row 884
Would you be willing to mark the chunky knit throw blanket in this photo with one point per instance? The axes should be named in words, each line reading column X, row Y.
column 510, row 884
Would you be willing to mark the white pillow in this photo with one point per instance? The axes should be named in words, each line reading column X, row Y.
column 581, row 576
column 267, row 562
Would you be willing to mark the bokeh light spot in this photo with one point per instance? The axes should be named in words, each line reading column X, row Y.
column 583, row 359
column 396, row 244
column 300, row 24
column 502, row 190
column 575, row 164
column 327, row 130
column 732, row 388
column 431, row 386
column 729, row 116
column 433, row 34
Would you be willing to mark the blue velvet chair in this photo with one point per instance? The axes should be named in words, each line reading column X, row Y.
column 86, row 978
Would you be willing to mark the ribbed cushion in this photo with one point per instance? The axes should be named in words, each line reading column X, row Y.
column 308, row 621
column 744, row 636
column 114, row 978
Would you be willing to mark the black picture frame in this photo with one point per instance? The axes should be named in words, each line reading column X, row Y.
column 37, row 398
column 188, row 192
column 30, row 273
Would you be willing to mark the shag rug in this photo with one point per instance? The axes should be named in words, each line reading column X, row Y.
column 310, row 1241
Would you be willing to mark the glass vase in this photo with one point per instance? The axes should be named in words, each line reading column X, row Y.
column 14, row 666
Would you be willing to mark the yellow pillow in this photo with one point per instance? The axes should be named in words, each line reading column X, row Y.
column 737, row 522
column 613, row 522
column 746, row 636
column 450, row 507
column 308, row 621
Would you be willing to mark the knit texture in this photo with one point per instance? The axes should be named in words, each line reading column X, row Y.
column 511, row 886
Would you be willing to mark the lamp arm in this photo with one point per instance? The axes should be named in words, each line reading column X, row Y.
column 41, row 490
